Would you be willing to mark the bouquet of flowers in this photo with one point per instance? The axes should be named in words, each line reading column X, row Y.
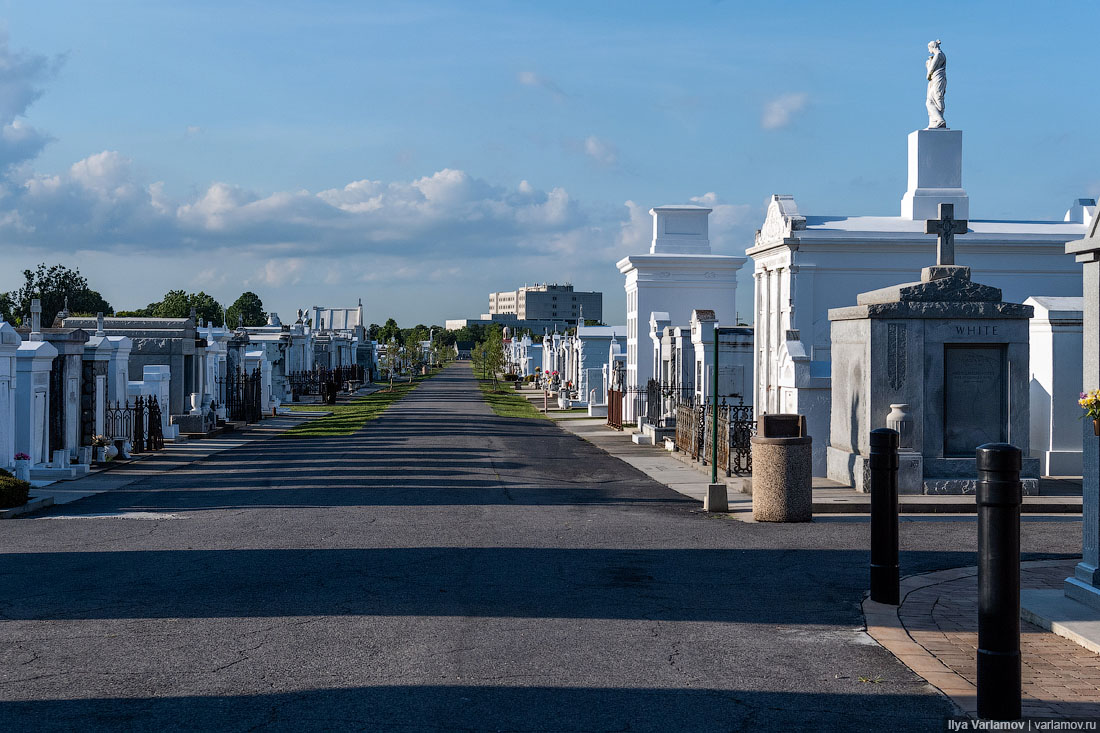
column 1091, row 402
column 22, row 457
column 100, row 441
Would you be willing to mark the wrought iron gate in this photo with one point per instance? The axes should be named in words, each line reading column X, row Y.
column 742, row 428
column 689, row 429
column 615, row 409
column 242, row 396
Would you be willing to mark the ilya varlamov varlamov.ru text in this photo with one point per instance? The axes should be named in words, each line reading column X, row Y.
column 1020, row 725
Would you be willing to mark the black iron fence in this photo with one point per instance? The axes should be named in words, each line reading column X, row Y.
column 695, row 431
column 323, row 382
column 138, row 423
column 118, row 423
column 661, row 402
column 689, row 429
column 243, row 392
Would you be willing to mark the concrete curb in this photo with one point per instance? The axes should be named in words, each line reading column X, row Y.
column 31, row 506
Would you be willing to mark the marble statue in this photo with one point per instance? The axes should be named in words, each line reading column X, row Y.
column 936, row 65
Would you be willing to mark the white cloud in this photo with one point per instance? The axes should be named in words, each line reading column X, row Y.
column 448, row 232
column 601, row 151
column 101, row 202
column 636, row 232
column 192, row 131
column 531, row 79
column 779, row 111
column 731, row 225
column 21, row 79
column 280, row 272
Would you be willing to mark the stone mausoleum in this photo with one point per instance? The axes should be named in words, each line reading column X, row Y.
column 945, row 362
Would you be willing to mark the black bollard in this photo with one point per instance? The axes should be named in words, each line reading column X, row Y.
column 999, row 496
column 883, row 464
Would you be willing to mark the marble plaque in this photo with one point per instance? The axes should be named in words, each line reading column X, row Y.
column 975, row 399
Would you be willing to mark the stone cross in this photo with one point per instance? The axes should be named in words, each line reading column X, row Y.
column 99, row 324
column 36, row 316
column 945, row 229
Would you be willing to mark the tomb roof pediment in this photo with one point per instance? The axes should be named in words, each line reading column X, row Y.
column 1057, row 307
column 781, row 220
column 8, row 335
column 703, row 315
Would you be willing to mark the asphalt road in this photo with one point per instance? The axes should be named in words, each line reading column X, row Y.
column 448, row 570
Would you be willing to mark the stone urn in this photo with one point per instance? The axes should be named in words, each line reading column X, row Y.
column 100, row 454
column 111, row 452
column 23, row 469
column 901, row 420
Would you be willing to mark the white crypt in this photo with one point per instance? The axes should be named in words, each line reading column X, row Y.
column 806, row 264
column 678, row 275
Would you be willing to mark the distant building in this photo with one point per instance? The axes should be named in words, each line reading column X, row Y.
column 543, row 302
column 464, row 349
column 510, row 321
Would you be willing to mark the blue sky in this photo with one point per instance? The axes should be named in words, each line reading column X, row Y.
column 420, row 154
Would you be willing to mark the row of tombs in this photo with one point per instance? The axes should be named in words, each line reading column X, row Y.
column 83, row 380
column 991, row 349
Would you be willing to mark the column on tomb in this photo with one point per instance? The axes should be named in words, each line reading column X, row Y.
column 776, row 336
column 760, row 376
column 1084, row 585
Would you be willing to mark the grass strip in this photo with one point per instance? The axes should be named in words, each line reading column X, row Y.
column 349, row 417
column 506, row 402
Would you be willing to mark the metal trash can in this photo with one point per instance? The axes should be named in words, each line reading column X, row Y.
column 782, row 462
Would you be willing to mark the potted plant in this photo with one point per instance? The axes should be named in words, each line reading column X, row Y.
column 1091, row 402
column 22, row 466
column 100, row 443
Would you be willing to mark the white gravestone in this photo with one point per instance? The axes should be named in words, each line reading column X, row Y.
column 34, row 360
column 9, row 344
column 1084, row 586
column 1056, row 363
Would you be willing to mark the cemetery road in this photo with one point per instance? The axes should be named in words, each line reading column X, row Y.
column 447, row 569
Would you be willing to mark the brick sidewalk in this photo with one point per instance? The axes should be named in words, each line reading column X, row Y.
column 938, row 638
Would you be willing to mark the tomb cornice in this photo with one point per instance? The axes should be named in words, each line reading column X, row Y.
column 684, row 262
column 791, row 244
column 931, row 310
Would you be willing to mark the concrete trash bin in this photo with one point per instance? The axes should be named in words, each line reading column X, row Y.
column 781, row 470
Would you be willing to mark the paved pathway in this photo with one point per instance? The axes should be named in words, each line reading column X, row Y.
column 447, row 569
column 939, row 614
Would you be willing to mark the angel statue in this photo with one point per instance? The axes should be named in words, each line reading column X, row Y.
column 936, row 65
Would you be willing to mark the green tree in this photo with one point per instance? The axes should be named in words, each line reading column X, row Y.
column 372, row 332
column 493, row 356
column 7, row 308
column 248, row 308
column 390, row 331
column 391, row 359
column 477, row 356
column 178, row 304
column 52, row 285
